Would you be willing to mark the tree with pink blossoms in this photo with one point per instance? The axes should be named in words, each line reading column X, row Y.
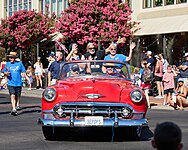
column 25, row 28
column 96, row 20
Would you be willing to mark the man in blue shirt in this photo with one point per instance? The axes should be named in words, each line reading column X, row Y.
column 15, row 71
column 54, row 68
column 114, row 56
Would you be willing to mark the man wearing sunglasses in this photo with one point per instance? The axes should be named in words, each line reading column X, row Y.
column 14, row 71
column 114, row 56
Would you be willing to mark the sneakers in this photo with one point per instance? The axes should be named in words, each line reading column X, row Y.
column 158, row 97
column 14, row 113
column 29, row 89
column 18, row 108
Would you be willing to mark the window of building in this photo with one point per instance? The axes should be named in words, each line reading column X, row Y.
column 60, row 8
column 169, row 2
column 11, row 6
column 53, row 6
column 181, row 1
column 157, row 3
column 147, row 3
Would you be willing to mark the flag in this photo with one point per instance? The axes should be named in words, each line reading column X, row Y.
column 62, row 46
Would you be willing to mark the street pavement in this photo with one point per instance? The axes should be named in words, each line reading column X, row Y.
column 154, row 103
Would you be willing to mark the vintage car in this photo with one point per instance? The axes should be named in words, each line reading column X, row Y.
column 93, row 94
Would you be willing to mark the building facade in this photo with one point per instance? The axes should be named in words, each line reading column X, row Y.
column 163, row 27
column 8, row 7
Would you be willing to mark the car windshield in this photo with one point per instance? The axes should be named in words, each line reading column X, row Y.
column 97, row 68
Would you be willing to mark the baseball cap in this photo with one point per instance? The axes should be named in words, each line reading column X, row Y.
column 75, row 68
column 180, row 80
column 186, row 54
column 148, row 52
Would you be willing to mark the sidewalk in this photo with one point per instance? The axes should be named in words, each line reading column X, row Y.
column 155, row 103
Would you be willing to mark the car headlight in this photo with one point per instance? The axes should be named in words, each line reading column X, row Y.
column 49, row 94
column 136, row 96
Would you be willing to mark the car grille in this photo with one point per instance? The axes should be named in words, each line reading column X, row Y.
column 80, row 110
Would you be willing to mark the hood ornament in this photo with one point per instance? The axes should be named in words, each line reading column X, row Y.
column 92, row 96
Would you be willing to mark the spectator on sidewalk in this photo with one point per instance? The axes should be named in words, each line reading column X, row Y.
column 150, row 61
column 165, row 62
column 29, row 77
column 167, row 136
column 136, row 77
column 181, row 95
column 183, row 68
column 50, row 59
column 38, row 72
column 168, row 81
column 158, row 76
column 15, row 71
column 146, row 78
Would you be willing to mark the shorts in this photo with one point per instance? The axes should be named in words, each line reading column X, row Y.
column 30, row 80
column 158, row 78
column 145, row 86
column 168, row 91
column 38, row 73
column 15, row 90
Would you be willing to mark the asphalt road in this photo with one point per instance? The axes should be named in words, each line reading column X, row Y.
column 22, row 132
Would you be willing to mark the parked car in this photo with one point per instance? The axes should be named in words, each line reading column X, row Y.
column 93, row 94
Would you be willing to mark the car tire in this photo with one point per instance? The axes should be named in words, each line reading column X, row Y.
column 50, row 133
column 134, row 133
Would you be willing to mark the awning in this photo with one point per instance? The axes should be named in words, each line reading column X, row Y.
column 173, row 24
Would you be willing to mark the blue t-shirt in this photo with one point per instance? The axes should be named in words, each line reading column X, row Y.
column 119, row 57
column 55, row 69
column 15, row 69
column 184, row 73
column 152, row 63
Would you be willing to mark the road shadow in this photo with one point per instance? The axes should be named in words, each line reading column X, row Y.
column 5, row 103
column 92, row 134
column 5, row 112
column 30, row 109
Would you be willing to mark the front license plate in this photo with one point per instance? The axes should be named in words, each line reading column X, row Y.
column 93, row 120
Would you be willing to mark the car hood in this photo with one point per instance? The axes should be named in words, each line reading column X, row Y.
column 104, row 90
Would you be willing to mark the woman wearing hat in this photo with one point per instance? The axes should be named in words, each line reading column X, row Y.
column 14, row 71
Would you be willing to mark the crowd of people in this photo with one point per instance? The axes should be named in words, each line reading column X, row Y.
column 170, row 80
column 153, row 69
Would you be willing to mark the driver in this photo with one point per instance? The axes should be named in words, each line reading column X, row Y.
column 109, row 70
column 75, row 70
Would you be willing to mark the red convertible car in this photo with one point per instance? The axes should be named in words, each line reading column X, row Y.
column 93, row 94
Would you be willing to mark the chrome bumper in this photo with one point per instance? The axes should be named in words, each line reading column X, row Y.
column 81, row 123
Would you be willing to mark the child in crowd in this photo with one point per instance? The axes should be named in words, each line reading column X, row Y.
column 136, row 77
column 4, row 82
column 29, row 77
column 146, row 80
column 168, row 81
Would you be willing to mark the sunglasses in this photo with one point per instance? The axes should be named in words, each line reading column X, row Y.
column 113, row 49
column 91, row 48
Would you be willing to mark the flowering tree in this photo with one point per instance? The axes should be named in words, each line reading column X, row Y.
column 95, row 20
column 25, row 28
